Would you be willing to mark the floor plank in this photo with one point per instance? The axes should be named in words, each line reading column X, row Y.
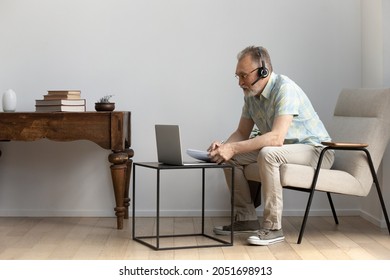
column 97, row 238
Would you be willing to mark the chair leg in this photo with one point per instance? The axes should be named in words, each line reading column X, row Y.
column 378, row 189
column 336, row 220
column 383, row 206
column 255, row 190
column 303, row 226
column 312, row 190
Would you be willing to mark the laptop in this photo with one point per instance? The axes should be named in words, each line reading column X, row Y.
column 169, row 146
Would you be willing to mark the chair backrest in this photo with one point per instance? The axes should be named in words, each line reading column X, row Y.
column 362, row 116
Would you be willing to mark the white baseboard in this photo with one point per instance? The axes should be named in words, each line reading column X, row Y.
column 55, row 213
column 163, row 213
column 222, row 213
column 180, row 213
column 367, row 216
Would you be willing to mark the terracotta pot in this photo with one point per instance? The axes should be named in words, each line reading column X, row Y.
column 104, row 106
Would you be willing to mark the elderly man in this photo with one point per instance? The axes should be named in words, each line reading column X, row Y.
column 290, row 132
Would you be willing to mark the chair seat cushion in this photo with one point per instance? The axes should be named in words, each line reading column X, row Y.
column 301, row 176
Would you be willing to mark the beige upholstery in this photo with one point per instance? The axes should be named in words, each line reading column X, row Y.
column 360, row 116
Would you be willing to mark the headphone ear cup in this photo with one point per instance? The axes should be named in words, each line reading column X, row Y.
column 263, row 72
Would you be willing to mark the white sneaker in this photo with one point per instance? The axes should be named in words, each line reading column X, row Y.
column 266, row 237
column 251, row 226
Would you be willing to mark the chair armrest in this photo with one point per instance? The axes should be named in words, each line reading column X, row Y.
column 344, row 144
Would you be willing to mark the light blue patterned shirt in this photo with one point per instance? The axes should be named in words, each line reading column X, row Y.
column 282, row 96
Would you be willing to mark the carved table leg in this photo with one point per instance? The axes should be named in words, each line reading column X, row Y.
column 119, row 179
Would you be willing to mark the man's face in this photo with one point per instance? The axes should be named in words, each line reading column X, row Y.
column 246, row 72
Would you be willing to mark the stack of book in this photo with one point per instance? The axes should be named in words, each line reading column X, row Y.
column 61, row 101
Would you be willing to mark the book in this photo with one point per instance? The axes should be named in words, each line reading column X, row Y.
column 61, row 96
column 60, row 108
column 47, row 102
column 64, row 92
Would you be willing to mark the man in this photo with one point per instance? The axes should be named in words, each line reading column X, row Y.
column 284, row 115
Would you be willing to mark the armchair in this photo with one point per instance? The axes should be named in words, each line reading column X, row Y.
column 360, row 131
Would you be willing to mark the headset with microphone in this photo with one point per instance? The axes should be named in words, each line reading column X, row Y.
column 262, row 72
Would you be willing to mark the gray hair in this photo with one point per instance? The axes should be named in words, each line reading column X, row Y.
column 257, row 54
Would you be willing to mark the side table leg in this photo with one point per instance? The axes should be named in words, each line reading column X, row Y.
column 119, row 179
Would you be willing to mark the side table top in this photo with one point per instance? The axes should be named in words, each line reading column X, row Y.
column 158, row 165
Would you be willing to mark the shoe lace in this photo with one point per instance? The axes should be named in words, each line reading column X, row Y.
column 263, row 232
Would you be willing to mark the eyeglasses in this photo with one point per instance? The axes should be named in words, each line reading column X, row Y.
column 244, row 75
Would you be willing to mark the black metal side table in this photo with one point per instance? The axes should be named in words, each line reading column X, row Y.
column 218, row 242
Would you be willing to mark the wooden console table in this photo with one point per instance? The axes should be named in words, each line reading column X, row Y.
column 110, row 130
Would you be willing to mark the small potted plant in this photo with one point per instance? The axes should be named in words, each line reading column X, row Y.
column 104, row 104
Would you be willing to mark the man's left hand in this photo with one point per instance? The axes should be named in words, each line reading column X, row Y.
column 222, row 153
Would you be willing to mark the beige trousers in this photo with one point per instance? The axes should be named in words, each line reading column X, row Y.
column 269, row 160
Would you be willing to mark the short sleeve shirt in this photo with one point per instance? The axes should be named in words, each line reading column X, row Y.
column 282, row 96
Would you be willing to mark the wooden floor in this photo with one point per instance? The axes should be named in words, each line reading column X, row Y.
column 97, row 238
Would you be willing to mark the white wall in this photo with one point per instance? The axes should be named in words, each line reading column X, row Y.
column 386, row 42
column 169, row 61
column 386, row 83
column 375, row 74
column 372, row 43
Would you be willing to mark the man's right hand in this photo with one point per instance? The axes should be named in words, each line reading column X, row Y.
column 214, row 145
